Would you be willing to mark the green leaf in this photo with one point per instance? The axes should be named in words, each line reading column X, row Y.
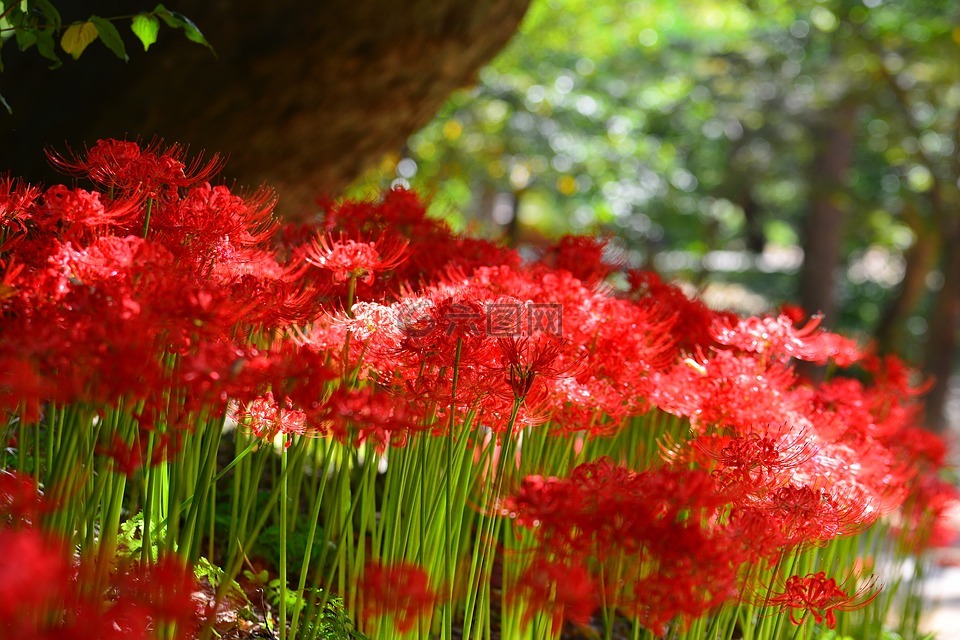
column 48, row 48
column 50, row 14
column 177, row 20
column 167, row 16
column 145, row 27
column 25, row 38
column 78, row 37
column 110, row 37
column 7, row 25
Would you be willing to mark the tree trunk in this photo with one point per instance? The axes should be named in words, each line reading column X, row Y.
column 823, row 227
column 920, row 259
column 302, row 96
column 941, row 345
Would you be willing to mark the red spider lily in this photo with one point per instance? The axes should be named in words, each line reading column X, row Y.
column 266, row 418
column 35, row 576
column 22, row 388
column 400, row 591
column 126, row 166
column 730, row 390
column 817, row 595
column 677, row 594
column 207, row 220
column 128, row 458
column 433, row 248
column 928, row 514
column 759, row 533
column 372, row 414
column 348, row 259
column 755, row 460
column 69, row 209
column 20, row 500
column 9, row 283
column 603, row 509
column 525, row 359
column 17, row 202
column 810, row 514
column 692, row 317
column 580, row 255
column 779, row 339
column 164, row 590
column 564, row 590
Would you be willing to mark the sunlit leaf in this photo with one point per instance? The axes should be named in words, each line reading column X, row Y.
column 78, row 37
column 145, row 27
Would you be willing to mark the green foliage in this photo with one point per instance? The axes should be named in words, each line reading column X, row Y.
column 37, row 23
column 335, row 623
column 176, row 20
column 110, row 37
column 206, row 570
column 691, row 128
column 130, row 538
column 296, row 541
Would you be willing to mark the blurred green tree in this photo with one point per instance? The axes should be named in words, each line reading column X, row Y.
column 717, row 138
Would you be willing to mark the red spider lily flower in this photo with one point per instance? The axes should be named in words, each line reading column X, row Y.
column 22, row 388
column 35, row 576
column 20, row 499
column 817, row 595
column 9, row 283
column 351, row 259
column 812, row 514
column 17, row 205
column 210, row 223
column 565, row 590
column 68, row 208
column 164, row 589
column 928, row 514
column 126, row 166
column 371, row 414
column 759, row 534
column 604, row 509
column 692, row 317
column 778, row 339
column 524, row 359
column 754, row 460
column 730, row 390
column 267, row 418
column 128, row 458
column 400, row 591
column 580, row 255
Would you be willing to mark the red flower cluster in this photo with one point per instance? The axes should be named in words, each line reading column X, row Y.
column 141, row 294
column 817, row 595
column 46, row 594
column 637, row 535
column 400, row 592
column 159, row 291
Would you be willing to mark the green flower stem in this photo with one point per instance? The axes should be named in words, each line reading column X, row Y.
column 146, row 217
column 478, row 599
column 316, row 493
column 202, row 474
column 284, row 496
column 235, row 562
